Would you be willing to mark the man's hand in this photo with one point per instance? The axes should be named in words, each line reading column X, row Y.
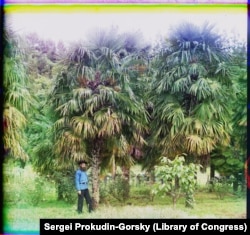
column 79, row 192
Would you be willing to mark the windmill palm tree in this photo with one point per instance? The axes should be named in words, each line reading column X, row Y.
column 190, row 92
column 100, row 116
column 17, row 101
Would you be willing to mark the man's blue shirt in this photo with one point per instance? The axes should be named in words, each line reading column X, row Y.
column 81, row 180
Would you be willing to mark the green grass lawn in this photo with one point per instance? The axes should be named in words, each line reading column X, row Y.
column 20, row 215
column 23, row 218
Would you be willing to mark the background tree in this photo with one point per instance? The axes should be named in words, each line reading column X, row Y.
column 41, row 55
column 229, row 160
column 40, row 59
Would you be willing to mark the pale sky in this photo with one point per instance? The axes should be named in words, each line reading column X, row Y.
column 72, row 26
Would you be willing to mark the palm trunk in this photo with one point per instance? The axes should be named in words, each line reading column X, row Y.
column 205, row 161
column 126, row 173
column 113, row 169
column 95, row 174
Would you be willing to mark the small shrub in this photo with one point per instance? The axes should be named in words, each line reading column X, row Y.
column 66, row 188
column 104, row 192
column 119, row 188
column 176, row 179
column 34, row 191
column 221, row 186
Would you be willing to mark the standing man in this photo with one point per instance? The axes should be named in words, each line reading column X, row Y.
column 81, row 182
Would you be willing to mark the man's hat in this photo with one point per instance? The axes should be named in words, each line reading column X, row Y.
column 82, row 161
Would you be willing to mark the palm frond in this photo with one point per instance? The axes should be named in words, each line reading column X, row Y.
column 84, row 126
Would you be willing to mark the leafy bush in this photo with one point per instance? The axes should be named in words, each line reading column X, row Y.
column 23, row 186
column 65, row 187
column 104, row 191
column 221, row 186
column 119, row 188
column 34, row 191
column 176, row 179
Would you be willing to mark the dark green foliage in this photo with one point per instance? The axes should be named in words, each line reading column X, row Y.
column 221, row 186
column 104, row 192
column 65, row 187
